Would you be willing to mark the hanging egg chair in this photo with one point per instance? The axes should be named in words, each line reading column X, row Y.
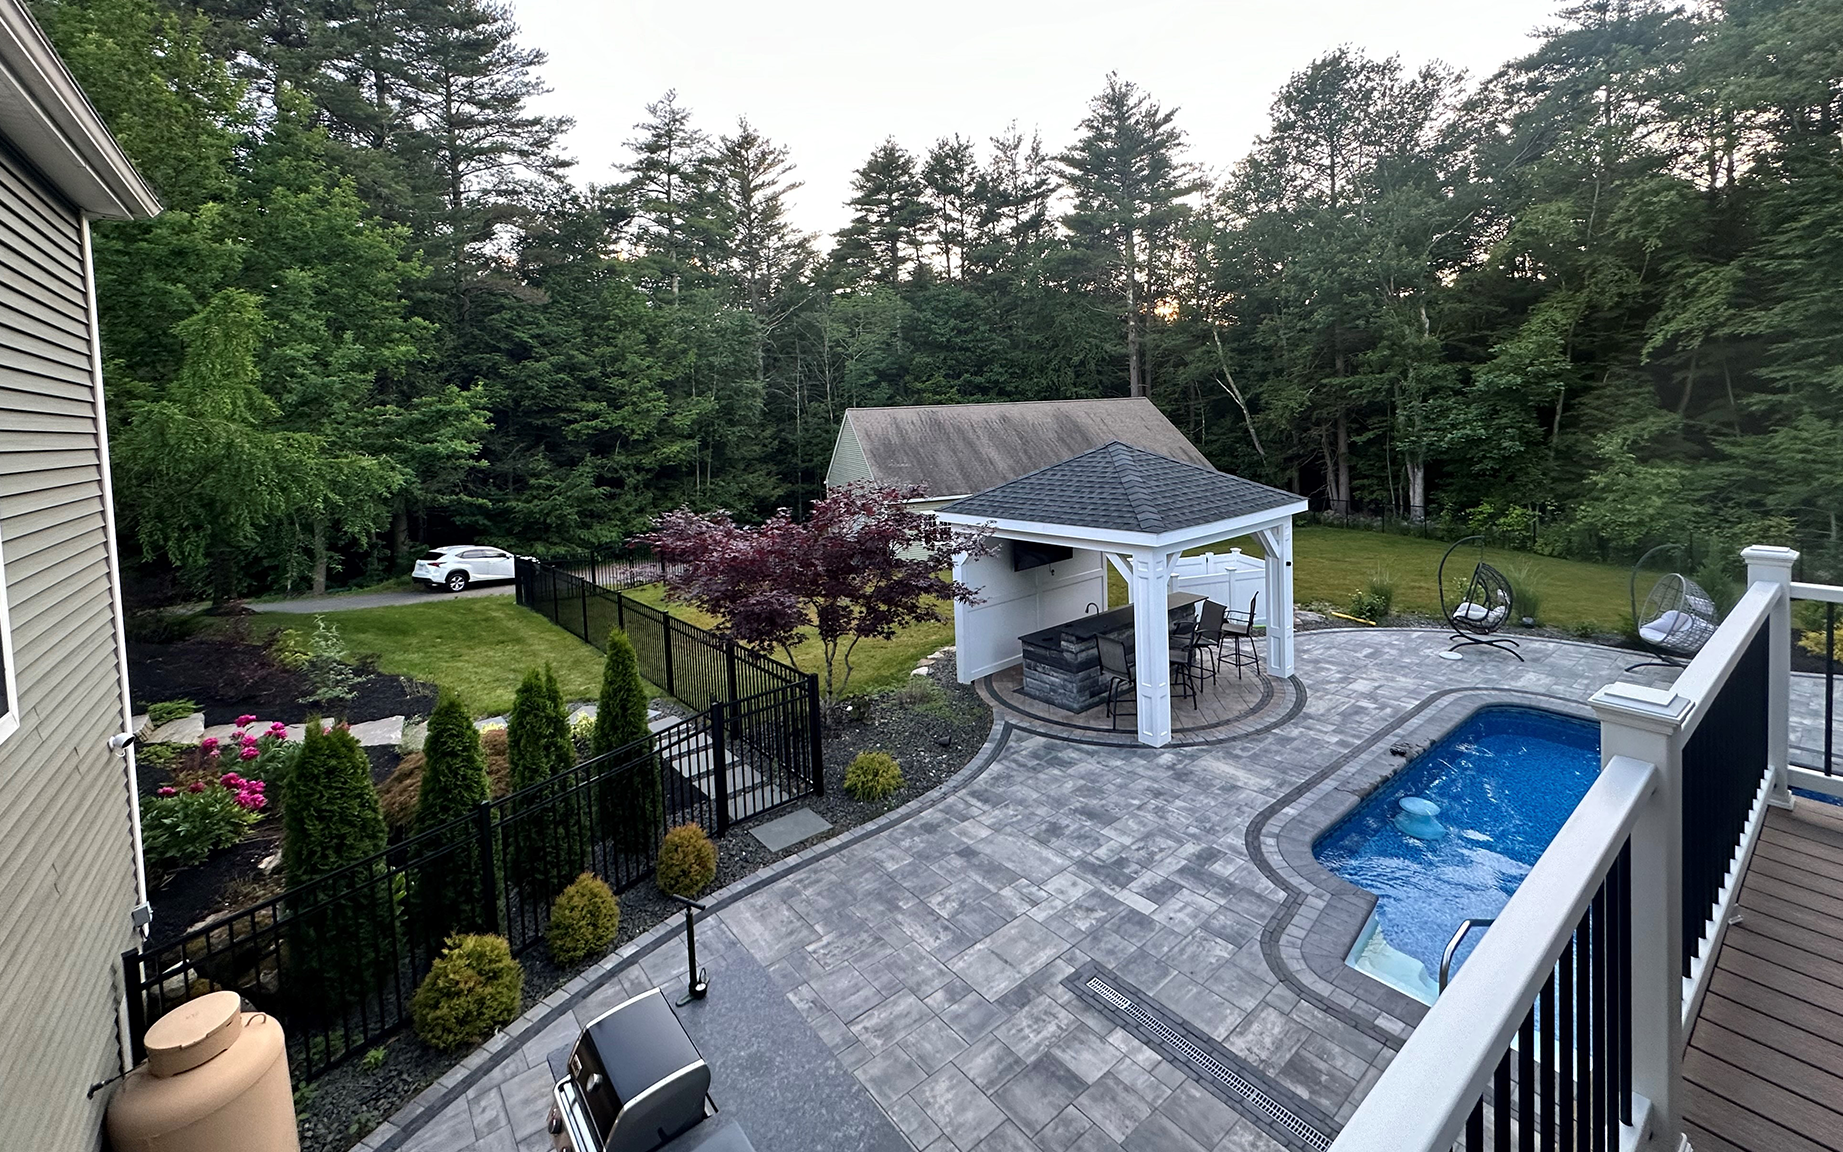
column 1677, row 616
column 1480, row 605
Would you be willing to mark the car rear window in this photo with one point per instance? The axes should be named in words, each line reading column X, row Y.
column 434, row 556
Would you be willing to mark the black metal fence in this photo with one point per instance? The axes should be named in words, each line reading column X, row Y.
column 1830, row 688
column 338, row 960
column 1567, row 1081
column 1724, row 763
column 692, row 664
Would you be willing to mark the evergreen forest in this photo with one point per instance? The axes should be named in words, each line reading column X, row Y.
column 1593, row 299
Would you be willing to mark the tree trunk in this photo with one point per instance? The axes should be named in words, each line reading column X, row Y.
column 320, row 558
column 1135, row 383
column 1343, row 458
column 400, row 534
column 1417, row 487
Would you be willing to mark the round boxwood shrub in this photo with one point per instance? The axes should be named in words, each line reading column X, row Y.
column 872, row 776
column 583, row 920
column 687, row 861
column 472, row 990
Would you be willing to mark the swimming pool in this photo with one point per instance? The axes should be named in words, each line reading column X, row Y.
column 1505, row 780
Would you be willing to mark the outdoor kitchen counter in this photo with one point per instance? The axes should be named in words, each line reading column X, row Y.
column 1062, row 663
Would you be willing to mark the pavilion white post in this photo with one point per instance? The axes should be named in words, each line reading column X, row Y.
column 1277, row 541
column 1151, row 577
column 962, row 623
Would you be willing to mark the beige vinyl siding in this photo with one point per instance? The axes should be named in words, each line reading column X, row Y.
column 848, row 462
column 66, row 863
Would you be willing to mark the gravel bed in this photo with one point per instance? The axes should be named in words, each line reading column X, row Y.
column 933, row 731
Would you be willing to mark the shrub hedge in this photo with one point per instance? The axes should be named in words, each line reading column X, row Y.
column 687, row 861
column 473, row 989
column 873, row 776
column 583, row 920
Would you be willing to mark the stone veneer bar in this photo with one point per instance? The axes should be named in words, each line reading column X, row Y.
column 1062, row 663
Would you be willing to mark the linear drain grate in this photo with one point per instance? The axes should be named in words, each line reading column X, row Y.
column 1242, row 1088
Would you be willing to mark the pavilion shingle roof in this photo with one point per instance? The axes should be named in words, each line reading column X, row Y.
column 959, row 449
column 1119, row 488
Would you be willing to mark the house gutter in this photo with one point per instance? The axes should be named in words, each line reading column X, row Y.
column 140, row 915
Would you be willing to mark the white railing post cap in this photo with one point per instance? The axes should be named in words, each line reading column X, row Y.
column 1639, row 706
column 1769, row 556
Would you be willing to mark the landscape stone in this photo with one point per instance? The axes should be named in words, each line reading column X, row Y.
column 790, row 829
column 185, row 730
column 385, row 733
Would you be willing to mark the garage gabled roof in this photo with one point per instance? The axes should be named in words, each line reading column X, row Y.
column 958, row 449
column 1120, row 488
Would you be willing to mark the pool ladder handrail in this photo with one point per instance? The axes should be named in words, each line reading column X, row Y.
column 1452, row 946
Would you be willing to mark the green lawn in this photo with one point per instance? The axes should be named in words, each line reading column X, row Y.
column 1330, row 564
column 875, row 663
column 479, row 648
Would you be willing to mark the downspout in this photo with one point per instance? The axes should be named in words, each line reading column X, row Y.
column 133, row 781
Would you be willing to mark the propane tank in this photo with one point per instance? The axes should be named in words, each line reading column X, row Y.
column 215, row 1080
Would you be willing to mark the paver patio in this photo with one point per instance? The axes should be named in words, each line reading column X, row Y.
column 924, row 955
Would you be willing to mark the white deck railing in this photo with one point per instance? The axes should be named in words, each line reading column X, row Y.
column 1434, row 1085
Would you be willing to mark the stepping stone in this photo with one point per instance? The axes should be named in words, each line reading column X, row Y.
column 297, row 731
column 588, row 710
column 658, row 723
column 185, row 730
column 138, row 725
column 385, row 733
column 490, row 722
column 788, row 830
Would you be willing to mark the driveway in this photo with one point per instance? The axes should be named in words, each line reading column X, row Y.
column 312, row 605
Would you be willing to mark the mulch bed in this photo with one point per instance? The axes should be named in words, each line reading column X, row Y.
column 933, row 733
column 228, row 678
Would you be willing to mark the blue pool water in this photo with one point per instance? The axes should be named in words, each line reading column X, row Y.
column 1505, row 779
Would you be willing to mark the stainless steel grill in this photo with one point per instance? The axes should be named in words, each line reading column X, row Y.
column 633, row 1082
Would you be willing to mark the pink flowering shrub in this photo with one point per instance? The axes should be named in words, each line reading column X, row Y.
column 180, row 828
column 262, row 755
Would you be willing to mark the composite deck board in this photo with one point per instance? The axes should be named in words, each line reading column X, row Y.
column 1764, row 1069
column 1791, row 957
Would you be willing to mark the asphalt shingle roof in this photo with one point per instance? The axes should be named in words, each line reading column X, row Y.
column 959, row 449
column 1120, row 488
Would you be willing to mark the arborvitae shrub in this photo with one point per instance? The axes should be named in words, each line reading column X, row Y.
column 873, row 776
column 341, row 937
column 583, row 920
column 448, row 896
column 629, row 797
column 548, row 839
column 472, row 990
column 687, row 861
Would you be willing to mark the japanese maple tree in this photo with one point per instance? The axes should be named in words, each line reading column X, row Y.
column 862, row 564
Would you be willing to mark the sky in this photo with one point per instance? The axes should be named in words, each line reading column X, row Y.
column 830, row 80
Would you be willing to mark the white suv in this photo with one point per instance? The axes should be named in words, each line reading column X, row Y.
column 458, row 565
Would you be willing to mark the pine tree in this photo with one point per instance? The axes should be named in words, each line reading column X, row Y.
column 547, row 842
column 481, row 152
column 448, row 895
column 885, row 237
column 631, row 805
column 668, row 187
column 342, row 922
column 949, row 174
column 1129, row 184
